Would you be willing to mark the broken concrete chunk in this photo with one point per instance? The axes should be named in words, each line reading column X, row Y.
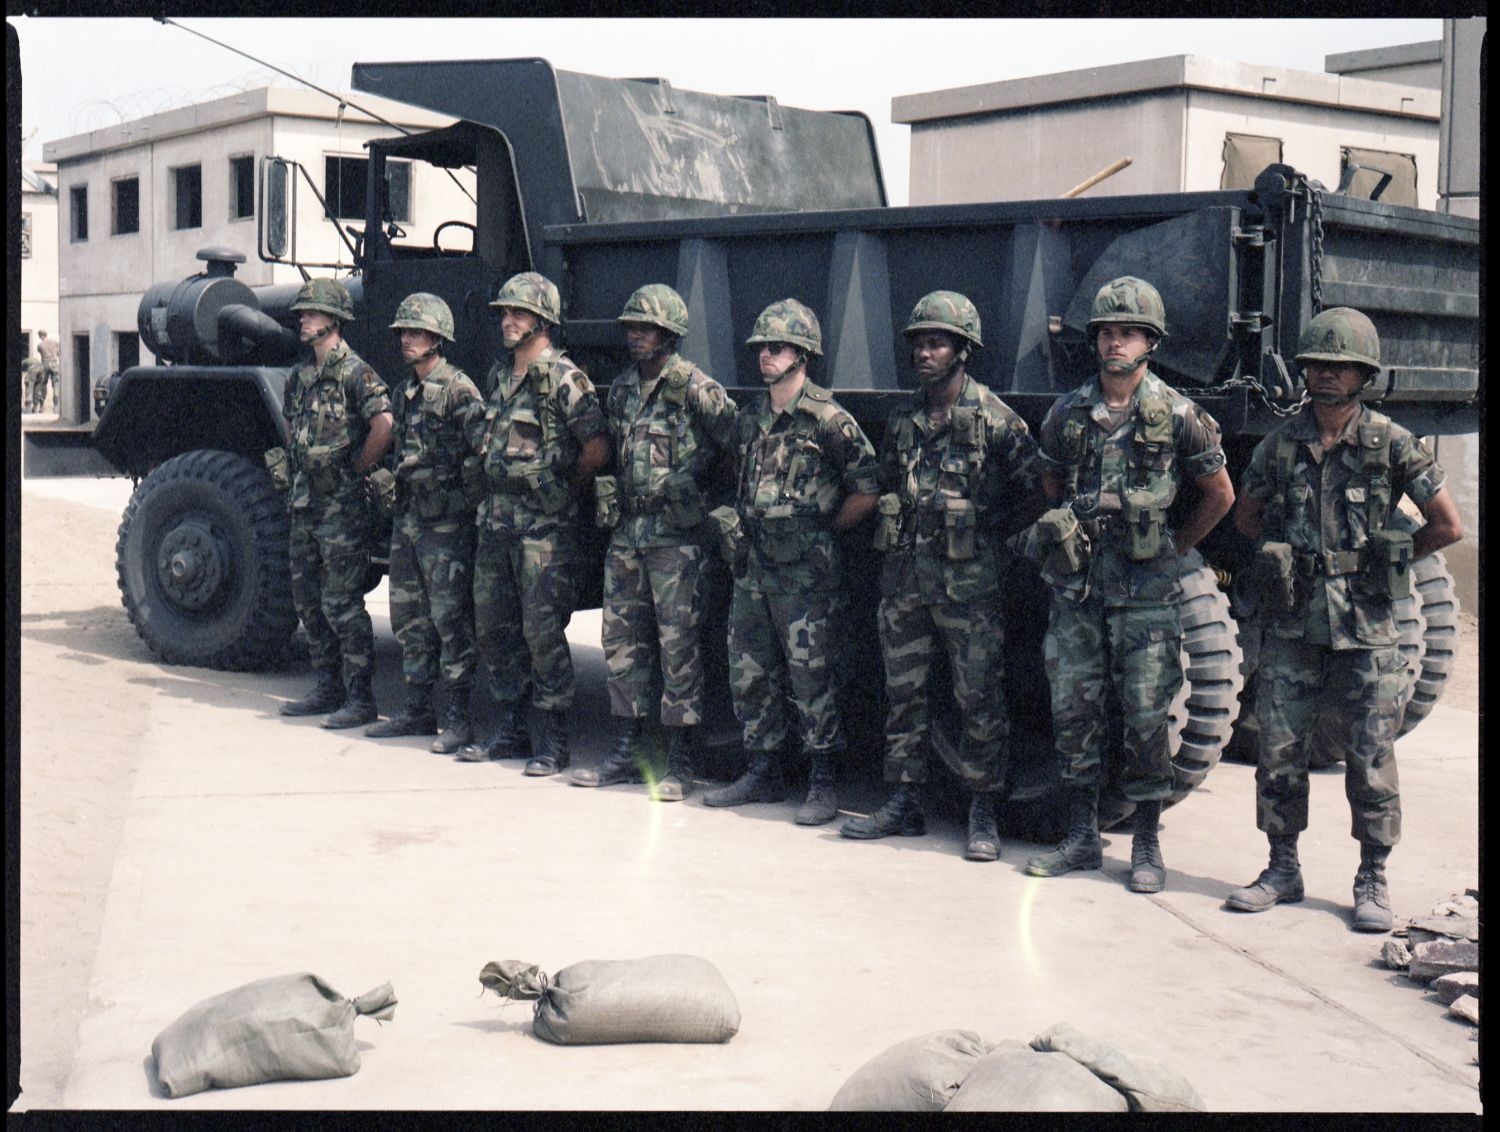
column 1452, row 927
column 1457, row 906
column 1450, row 987
column 1396, row 954
column 1442, row 957
column 1466, row 1007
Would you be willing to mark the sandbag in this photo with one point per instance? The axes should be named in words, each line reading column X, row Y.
column 287, row 1028
column 1016, row 1078
column 661, row 998
column 917, row 1075
column 1148, row 1085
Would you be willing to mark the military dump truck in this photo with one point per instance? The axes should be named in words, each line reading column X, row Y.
column 605, row 184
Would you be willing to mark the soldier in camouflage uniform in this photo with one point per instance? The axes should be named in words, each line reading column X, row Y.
column 1317, row 497
column 1120, row 447
column 48, row 354
column 539, row 442
column 670, row 423
column 806, row 470
column 339, row 423
column 432, row 536
column 960, row 471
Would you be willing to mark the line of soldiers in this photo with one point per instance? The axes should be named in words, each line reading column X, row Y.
column 40, row 375
column 489, row 502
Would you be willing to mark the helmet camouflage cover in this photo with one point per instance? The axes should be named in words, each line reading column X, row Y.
column 326, row 295
column 657, row 305
column 532, row 292
column 1340, row 334
column 788, row 321
column 1131, row 302
column 424, row 311
column 945, row 310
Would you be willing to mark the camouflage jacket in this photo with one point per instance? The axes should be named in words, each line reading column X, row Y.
column 528, row 440
column 666, row 441
column 796, row 467
column 433, row 417
column 1139, row 463
column 327, row 412
column 47, row 350
column 961, row 487
column 1326, row 508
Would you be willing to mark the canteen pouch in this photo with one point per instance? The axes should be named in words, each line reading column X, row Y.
column 684, row 506
column 1387, row 564
column 1063, row 544
column 959, row 518
column 383, row 488
column 606, row 502
column 323, row 464
column 1144, row 521
column 428, row 497
column 548, row 490
column 888, row 522
column 471, row 476
column 279, row 468
column 780, row 534
column 731, row 535
column 1276, row 573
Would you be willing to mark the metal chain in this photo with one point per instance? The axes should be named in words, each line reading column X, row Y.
column 1260, row 392
column 1315, row 264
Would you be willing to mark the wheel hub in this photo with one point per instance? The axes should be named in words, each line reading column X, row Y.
column 190, row 564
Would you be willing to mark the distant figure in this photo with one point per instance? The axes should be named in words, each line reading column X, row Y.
column 33, row 384
column 47, row 351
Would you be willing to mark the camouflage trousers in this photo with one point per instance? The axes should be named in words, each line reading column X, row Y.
column 432, row 600
column 1295, row 680
column 653, row 600
column 780, row 670
column 973, row 636
column 1135, row 651
column 523, row 600
column 330, row 561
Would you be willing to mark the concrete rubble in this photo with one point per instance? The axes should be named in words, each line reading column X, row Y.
column 1450, row 987
column 1442, row 951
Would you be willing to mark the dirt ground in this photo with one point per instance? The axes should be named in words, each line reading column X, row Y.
column 81, row 658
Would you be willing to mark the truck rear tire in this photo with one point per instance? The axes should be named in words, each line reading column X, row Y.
column 1433, row 584
column 202, row 563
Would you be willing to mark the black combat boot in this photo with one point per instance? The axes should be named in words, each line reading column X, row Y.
column 1372, row 897
column 1279, row 883
column 623, row 764
column 677, row 783
column 326, row 697
column 984, row 837
column 1080, row 848
column 1148, row 872
column 458, row 728
column 359, row 706
column 822, row 805
column 510, row 740
column 416, row 716
column 761, row 782
column 902, row 813
column 554, row 756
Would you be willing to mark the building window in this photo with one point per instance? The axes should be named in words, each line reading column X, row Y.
column 344, row 188
column 127, row 207
column 1362, row 171
column 81, row 369
column 25, row 235
column 241, row 188
column 127, row 350
column 1245, row 157
column 187, row 197
column 78, row 198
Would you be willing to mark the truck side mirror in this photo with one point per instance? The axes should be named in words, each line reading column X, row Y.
column 276, row 198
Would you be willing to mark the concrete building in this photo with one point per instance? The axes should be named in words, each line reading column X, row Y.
column 38, row 259
column 140, row 199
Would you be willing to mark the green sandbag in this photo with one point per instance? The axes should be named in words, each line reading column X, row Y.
column 287, row 1028
column 917, row 1075
column 1016, row 1078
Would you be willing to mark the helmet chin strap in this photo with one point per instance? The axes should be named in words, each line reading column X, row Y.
column 536, row 328
column 1122, row 369
column 319, row 335
column 791, row 369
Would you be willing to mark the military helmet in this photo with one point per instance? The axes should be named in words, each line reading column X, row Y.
column 326, row 295
column 788, row 321
column 658, row 305
column 424, row 311
column 1340, row 334
column 1131, row 302
column 945, row 310
column 529, row 291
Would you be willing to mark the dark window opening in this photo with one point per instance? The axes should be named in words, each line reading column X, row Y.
column 241, row 187
column 25, row 235
column 187, row 192
column 127, row 350
column 344, row 189
column 78, row 212
column 127, row 207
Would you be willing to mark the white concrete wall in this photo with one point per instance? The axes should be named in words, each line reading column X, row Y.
column 39, row 270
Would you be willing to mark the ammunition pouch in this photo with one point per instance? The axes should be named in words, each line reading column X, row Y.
column 429, row 496
column 1387, row 564
column 683, row 503
column 326, row 467
column 732, row 542
column 888, row 522
column 606, row 502
column 471, row 476
column 279, row 468
column 779, row 534
column 1144, row 521
column 959, row 519
column 383, row 489
column 549, row 491
column 1062, row 546
column 1276, row 578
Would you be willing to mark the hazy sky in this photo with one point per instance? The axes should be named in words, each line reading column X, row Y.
column 84, row 74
